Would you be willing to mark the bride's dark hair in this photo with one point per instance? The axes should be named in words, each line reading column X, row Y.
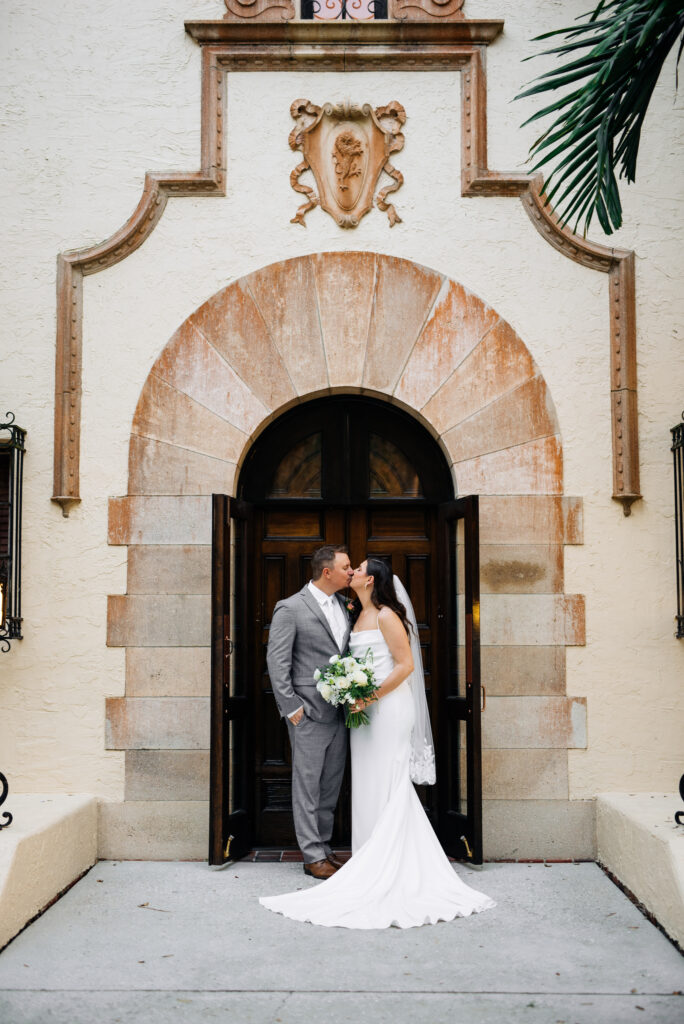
column 383, row 593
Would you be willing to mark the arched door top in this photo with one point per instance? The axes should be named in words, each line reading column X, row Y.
column 354, row 322
column 346, row 450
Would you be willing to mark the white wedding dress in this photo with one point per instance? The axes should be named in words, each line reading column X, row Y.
column 398, row 873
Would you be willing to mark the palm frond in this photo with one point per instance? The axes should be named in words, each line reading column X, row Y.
column 594, row 138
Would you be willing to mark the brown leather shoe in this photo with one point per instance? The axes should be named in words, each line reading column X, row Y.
column 320, row 869
column 335, row 861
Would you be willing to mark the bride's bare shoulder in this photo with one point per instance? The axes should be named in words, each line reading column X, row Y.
column 387, row 616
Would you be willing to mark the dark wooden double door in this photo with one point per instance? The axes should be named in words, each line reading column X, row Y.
column 308, row 491
column 404, row 538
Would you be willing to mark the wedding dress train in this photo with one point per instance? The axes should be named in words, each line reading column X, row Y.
column 398, row 873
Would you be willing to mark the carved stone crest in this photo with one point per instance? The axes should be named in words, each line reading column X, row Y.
column 346, row 147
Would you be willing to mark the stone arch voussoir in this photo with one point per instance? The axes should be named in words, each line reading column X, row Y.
column 345, row 322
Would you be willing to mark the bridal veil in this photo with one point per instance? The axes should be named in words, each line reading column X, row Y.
column 422, row 763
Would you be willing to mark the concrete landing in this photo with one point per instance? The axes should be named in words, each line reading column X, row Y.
column 158, row 942
column 640, row 843
column 51, row 841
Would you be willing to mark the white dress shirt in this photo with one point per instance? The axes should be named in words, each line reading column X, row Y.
column 336, row 618
column 332, row 611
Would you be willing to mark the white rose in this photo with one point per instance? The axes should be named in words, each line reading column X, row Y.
column 360, row 677
column 334, row 659
column 345, row 682
column 349, row 664
column 326, row 691
column 317, row 675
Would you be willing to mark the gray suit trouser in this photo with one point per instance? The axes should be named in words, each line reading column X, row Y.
column 319, row 753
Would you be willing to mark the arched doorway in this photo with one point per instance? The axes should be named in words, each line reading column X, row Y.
column 338, row 470
column 341, row 469
column 330, row 323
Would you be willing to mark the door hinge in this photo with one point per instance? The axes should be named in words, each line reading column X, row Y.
column 484, row 699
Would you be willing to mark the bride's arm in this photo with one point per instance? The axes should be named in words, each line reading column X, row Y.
column 393, row 631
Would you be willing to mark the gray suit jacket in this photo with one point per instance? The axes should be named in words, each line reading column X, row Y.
column 300, row 641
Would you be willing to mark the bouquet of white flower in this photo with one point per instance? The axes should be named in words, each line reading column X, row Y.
column 344, row 680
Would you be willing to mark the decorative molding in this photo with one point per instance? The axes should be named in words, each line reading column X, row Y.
column 415, row 10
column 478, row 180
column 73, row 266
column 346, row 147
column 259, row 10
column 619, row 265
column 320, row 46
column 589, row 254
column 342, row 34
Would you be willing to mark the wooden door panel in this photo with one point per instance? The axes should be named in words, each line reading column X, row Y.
column 458, row 736
column 276, row 749
column 274, row 577
column 304, row 571
column 417, row 582
column 231, row 813
column 397, row 523
column 293, row 523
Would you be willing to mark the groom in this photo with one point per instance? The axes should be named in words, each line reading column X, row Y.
column 306, row 630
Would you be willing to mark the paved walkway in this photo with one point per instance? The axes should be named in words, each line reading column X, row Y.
column 179, row 942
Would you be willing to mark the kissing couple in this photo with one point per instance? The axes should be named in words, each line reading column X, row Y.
column 398, row 873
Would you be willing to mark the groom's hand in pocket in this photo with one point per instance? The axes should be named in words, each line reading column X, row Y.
column 297, row 716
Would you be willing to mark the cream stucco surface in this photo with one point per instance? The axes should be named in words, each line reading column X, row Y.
column 98, row 94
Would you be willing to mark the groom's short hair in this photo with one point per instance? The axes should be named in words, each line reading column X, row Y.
column 324, row 558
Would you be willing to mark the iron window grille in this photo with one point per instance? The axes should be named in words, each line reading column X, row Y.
column 344, row 10
column 11, row 472
column 678, row 458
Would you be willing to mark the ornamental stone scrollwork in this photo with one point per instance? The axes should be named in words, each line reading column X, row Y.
column 346, row 147
column 259, row 10
column 426, row 10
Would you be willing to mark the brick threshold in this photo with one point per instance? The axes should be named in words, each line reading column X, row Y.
column 270, row 856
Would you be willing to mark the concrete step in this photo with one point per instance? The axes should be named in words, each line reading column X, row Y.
column 639, row 842
column 50, row 842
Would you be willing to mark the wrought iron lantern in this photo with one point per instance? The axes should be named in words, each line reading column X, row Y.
column 678, row 457
column 11, row 470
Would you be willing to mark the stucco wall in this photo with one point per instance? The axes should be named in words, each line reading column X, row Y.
column 98, row 94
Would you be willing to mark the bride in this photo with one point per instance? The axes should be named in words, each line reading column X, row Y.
column 398, row 874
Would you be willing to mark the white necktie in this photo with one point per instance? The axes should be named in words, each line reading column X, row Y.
column 334, row 621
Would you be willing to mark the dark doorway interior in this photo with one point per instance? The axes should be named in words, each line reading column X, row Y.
column 338, row 470
column 341, row 469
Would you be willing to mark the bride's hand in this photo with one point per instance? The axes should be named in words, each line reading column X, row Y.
column 361, row 704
